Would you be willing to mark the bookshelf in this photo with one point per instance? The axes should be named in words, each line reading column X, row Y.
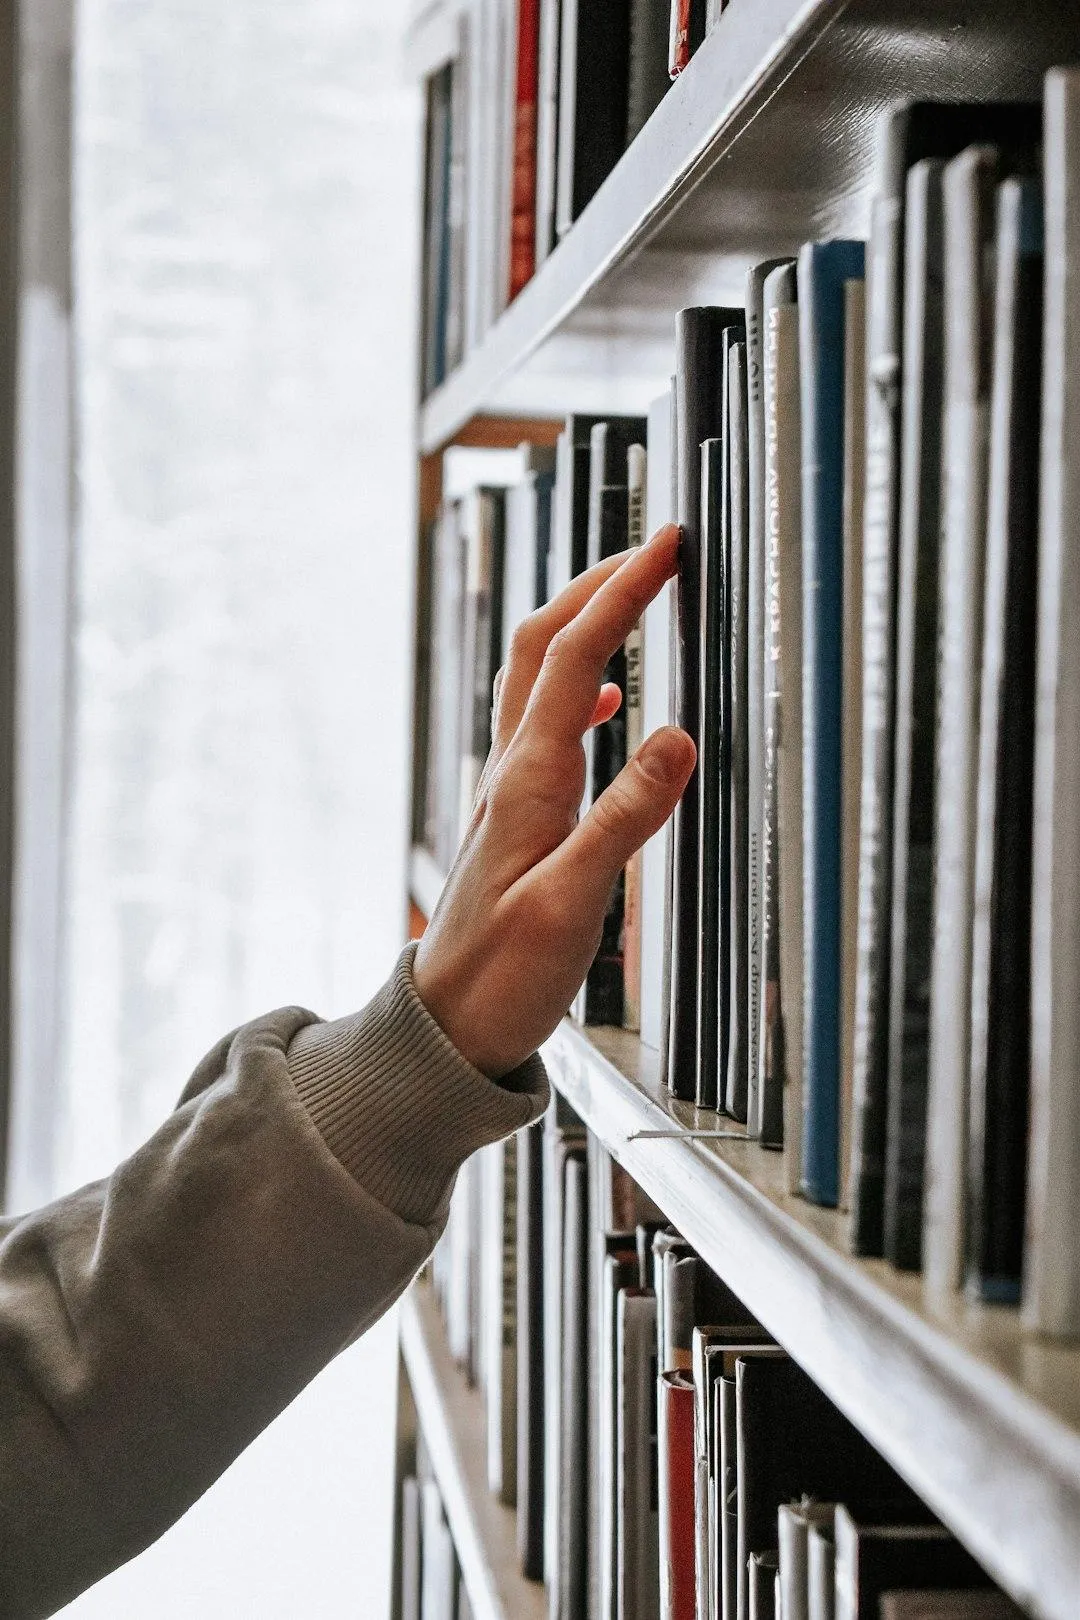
column 766, row 140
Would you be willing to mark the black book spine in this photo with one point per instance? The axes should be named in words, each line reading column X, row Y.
column 1001, row 1016
column 698, row 404
column 711, row 842
column 530, row 1351
column 738, row 529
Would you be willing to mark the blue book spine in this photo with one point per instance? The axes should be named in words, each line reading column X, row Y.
column 823, row 268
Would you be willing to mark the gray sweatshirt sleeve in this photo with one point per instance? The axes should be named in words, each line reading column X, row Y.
column 152, row 1324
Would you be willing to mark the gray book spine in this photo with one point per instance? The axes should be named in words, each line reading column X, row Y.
column 637, row 1536
column 916, row 701
column 737, row 967
column 547, row 126
column 1052, row 1266
column 969, row 184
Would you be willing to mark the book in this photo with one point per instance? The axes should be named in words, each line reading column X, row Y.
column 676, row 1496
column 530, row 1328
column 436, row 248
column 761, row 1585
column 637, row 1540
column 909, row 132
column 768, row 1099
column 498, row 1285
column 794, row 1524
column 948, row 1606
column 594, row 64
column 872, row 1559
column 637, row 499
column 915, row 711
column 738, row 1091
column 713, row 1353
column 648, row 74
column 523, row 196
column 737, row 968
column 820, row 1573
column 969, row 185
column 569, row 1591
column 1001, row 906
column 686, row 32
column 620, row 1271
column 1051, row 1270
column 410, row 1549
column 659, row 510
column 792, row 1440
column 563, row 1137
column 851, row 698
column 568, row 552
column 482, row 522
column 547, row 125
column 823, row 270
column 713, row 859
column 698, row 407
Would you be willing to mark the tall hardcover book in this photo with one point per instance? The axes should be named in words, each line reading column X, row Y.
column 738, row 1090
column 794, row 1524
column 530, row 1329
column 568, row 1594
column 713, row 812
column 737, row 967
column 564, row 1137
column 648, row 75
column 969, row 189
column 821, row 1573
column 436, row 253
column 410, row 1549
column 547, row 125
column 871, row 1560
column 698, row 409
column 568, row 552
column 523, row 195
column 620, row 1271
column 676, row 1496
column 1051, row 1267
column 637, row 1538
column 634, row 651
column 910, row 131
column 767, row 1100
column 1001, row 928
column 482, row 518
column 594, row 69
column 498, row 1284
column 851, row 698
column 824, row 269
column 659, row 509
column 916, row 710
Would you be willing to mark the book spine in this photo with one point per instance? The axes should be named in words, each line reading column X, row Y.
column 870, row 1047
column 765, row 1119
column 916, row 707
column 969, row 182
column 820, row 1574
column 635, row 734
column 569, row 1594
column 714, row 723
column 530, row 1352
column 1001, row 935
column 676, row 1497
column 851, row 705
column 523, row 203
column 593, row 93
column 1051, row 1272
column 823, row 271
column 679, row 37
column 656, row 711
column 648, row 75
column 737, row 968
column 637, row 1512
column 547, row 126
column 782, row 1100
column 697, row 417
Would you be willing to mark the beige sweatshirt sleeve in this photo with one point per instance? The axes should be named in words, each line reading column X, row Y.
column 152, row 1324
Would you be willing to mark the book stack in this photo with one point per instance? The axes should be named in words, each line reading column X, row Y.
column 666, row 1459
column 524, row 124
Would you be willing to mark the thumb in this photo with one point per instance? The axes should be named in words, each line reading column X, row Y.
column 626, row 814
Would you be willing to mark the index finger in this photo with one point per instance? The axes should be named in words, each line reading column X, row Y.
column 564, row 695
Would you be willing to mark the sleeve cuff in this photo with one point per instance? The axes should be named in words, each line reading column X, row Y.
column 398, row 1105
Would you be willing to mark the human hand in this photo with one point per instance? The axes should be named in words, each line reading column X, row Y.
column 521, row 915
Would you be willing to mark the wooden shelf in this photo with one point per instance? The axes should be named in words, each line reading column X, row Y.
column 453, row 1424
column 765, row 141
column 981, row 1420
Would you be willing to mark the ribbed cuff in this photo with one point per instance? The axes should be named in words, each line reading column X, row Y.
column 398, row 1105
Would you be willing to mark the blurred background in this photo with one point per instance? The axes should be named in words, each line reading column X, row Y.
column 214, row 516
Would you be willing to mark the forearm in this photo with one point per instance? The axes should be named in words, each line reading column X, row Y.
column 152, row 1325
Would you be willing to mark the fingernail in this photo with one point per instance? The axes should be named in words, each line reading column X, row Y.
column 669, row 755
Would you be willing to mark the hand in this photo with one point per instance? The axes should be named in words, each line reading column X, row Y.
column 521, row 914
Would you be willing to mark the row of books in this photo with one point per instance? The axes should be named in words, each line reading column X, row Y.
column 432, row 1587
column 666, row 1458
column 523, row 126
column 858, row 937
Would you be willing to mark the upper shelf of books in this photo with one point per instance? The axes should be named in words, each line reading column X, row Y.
column 766, row 140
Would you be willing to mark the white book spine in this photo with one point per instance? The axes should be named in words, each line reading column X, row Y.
column 1052, row 1262
column 965, row 433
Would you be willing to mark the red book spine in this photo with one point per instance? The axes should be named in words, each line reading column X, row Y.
column 677, row 1593
column 679, row 47
column 523, row 201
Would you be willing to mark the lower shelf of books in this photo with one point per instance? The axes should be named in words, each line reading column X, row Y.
column 451, row 1421
column 981, row 1420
